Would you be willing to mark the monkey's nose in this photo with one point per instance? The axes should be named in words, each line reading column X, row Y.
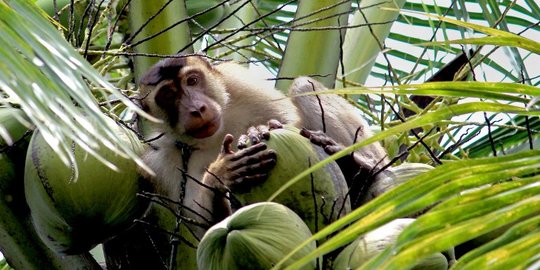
column 198, row 112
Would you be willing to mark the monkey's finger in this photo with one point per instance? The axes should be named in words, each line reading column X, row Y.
column 263, row 166
column 254, row 159
column 226, row 147
column 264, row 132
column 250, row 151
column 253, row 135
column 274, row 124
column 318, row 137
column 243, row 184
column 332, row 149
column 306, row 132
column 323, row 140
column 242, row 141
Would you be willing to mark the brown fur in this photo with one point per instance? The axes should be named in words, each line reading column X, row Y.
column 238, row 99
column 239, row 103
column 341, row 119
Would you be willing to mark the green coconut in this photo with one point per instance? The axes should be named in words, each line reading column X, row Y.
column 319, row 198
column 8, row 171
column 394, row 176
column 372, row 243
column 255, row 237
column 73, row 214
column 14, row 140
column 11, row 128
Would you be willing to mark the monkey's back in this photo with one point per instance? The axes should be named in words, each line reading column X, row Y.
column 253, row 103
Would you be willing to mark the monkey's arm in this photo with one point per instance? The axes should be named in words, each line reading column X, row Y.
column 358, row 172
column 337, row 118
column 348, row 164
column 236, row 172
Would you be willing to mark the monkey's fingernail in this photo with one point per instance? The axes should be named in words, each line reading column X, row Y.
column 252, row 130
column 242, row 141
column 274, row 124
column 330, row 150
column 262, row 145
column 272, row 153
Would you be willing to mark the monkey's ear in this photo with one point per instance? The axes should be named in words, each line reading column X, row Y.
column 152, row 76
column 164, row 69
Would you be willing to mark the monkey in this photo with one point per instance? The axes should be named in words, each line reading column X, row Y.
column 206, row 106
column 200, row 104
column 203, row 108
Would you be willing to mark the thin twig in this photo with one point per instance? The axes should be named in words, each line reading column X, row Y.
column 342, row 65
column 433, row 156
column 292, row 78
column 460, row 142
column 323, row 121
column 90, row 27
column 175, row 236
column 83, row 18
column 115, row 25
column 314, row 197
column 165, row 201
column 176, row 24
column 490, row 135
column 138, row 31
column 243, row 27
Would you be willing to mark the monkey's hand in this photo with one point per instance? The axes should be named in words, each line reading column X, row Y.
column 258, row 134
column 357, row 172
column 349, row 164
column 355, row 159
column 238, row 171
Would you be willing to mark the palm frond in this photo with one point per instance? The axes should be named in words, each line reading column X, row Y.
column 43, row 75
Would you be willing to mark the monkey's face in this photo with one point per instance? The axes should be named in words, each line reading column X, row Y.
column 186, row 94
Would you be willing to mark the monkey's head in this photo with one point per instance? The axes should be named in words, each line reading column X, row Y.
column 187, row 94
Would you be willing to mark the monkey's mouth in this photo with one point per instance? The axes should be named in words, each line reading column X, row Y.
column 207, row 129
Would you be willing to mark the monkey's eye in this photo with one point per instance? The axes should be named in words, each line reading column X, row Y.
column 165, row 96
column 192, row 80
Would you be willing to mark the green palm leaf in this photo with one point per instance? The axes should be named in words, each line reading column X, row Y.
column 60, row 89
column 55, row 91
